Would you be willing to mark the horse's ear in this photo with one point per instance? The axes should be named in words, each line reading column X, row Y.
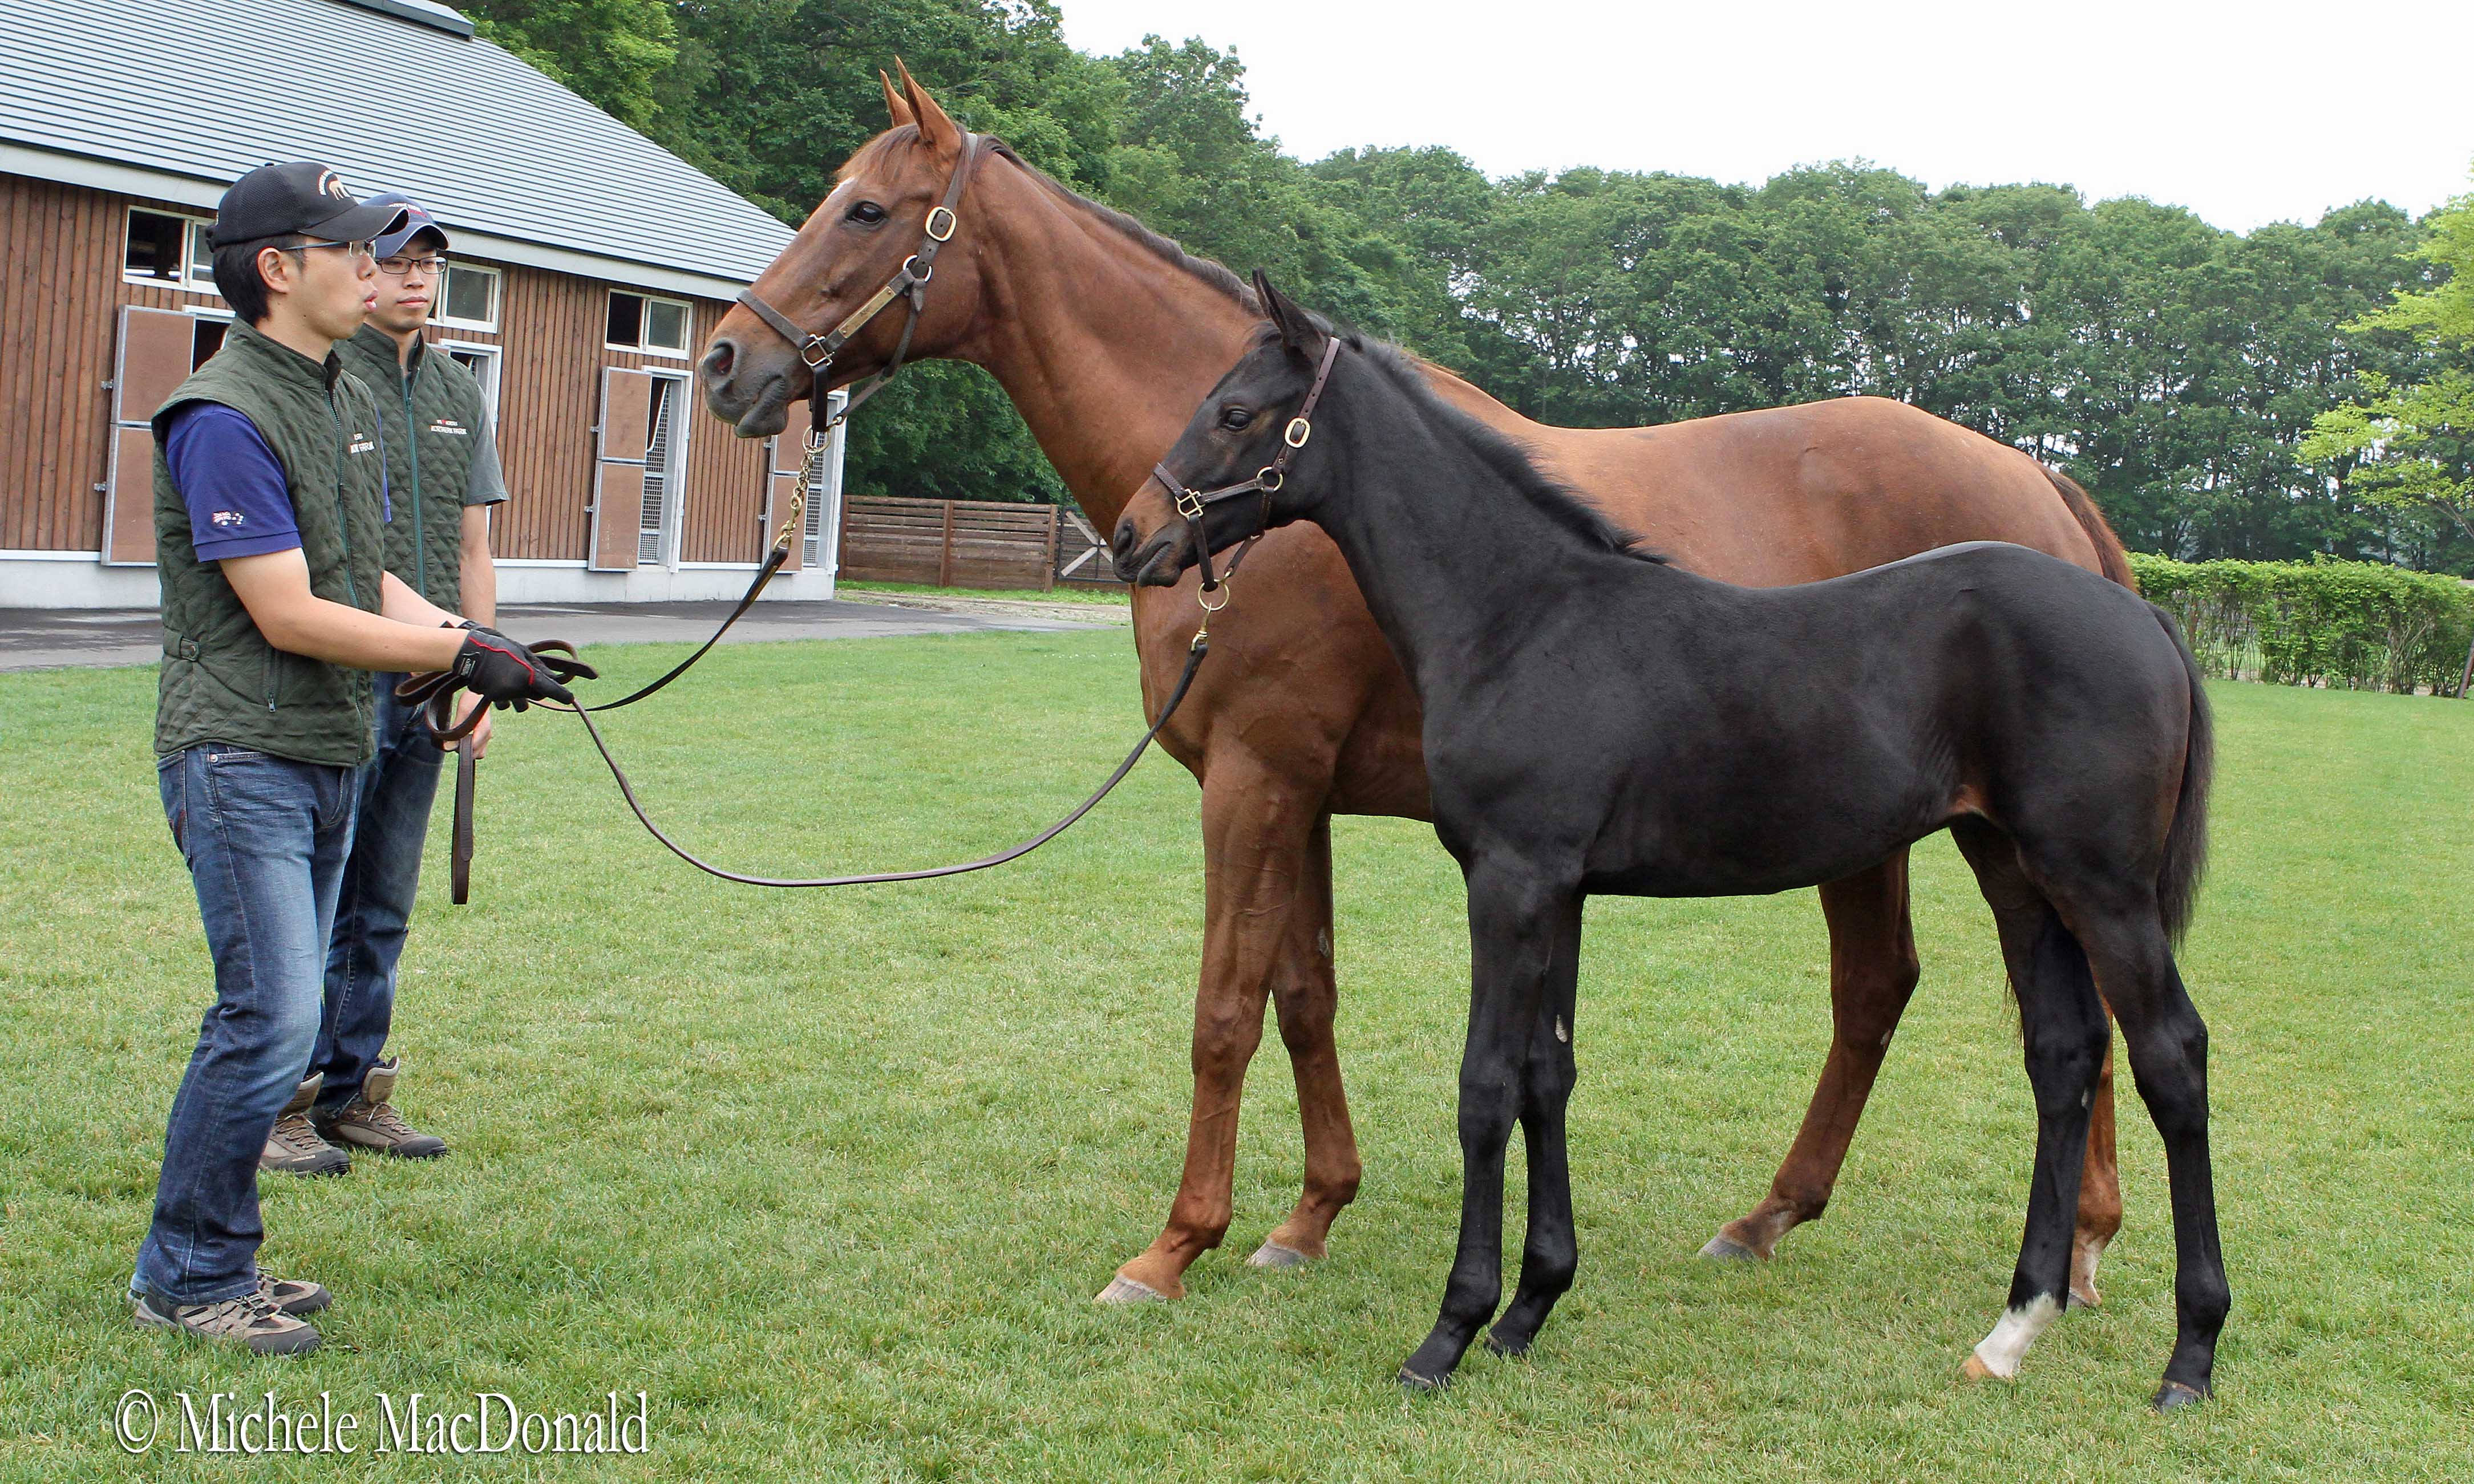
column 1297, row 327
column 937, row 131
column 894, row 106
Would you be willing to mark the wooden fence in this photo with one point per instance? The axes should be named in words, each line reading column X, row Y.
column 969, row 543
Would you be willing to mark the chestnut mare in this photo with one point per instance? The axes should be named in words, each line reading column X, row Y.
column 1107, row 336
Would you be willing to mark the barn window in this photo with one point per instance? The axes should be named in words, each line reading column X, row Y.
column 639, row 323
column 168, row 250
column 468, row 298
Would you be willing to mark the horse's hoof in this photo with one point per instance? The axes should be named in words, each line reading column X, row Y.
column 1975, row 1370
column 1271, row 1255
column 2083, row 1297
column 1412, row 1382
column 2174, row 1393
column 1513, row 1349
column 1727, row 1249
column 1122, row 1289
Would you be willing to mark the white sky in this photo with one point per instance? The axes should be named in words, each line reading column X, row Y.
column 2246, row 113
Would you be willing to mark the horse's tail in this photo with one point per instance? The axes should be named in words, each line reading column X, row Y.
column 2111, row 559
column 2186, row 840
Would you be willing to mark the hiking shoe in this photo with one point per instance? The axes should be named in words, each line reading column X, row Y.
column 252, row 1320
column 369, row 1121
column 294, row 1296
column 293, row 1146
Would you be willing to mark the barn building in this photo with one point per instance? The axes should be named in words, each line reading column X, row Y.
column 587, row 266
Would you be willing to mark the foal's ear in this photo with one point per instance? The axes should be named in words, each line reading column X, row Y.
column 1297, row 329
column 894, row 106
column 937, row 131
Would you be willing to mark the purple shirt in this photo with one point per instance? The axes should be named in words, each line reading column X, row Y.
column 232, row 482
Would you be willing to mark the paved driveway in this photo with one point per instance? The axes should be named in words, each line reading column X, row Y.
column 45, row 637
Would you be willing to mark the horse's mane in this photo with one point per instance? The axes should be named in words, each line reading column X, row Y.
column 1502, row 456
column 1165, row 248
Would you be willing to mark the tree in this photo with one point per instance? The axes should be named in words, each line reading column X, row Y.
column 2406, row 443
column 608, row 51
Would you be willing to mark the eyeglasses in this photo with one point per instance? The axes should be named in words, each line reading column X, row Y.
column 398, row 267
column 357, row 248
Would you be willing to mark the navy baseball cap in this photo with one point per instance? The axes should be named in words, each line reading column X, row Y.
column 303, row 197
column 395, row 239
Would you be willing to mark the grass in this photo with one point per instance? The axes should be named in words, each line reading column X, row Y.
column 832, row 1177
column 1119, row 595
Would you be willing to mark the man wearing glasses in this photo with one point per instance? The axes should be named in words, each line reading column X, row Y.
column 443, row 475
column 271, row 510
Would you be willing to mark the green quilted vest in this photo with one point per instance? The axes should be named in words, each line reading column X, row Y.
column 434, row 413
column 222, row 681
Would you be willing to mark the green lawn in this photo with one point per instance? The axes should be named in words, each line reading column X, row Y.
column 833, row 1177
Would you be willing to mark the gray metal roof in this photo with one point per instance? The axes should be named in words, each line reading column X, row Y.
column 202, row 91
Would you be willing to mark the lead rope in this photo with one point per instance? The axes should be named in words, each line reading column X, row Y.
column 1194, row 656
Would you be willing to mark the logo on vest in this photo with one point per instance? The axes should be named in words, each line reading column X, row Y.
column 449, row 427
column 362, row 443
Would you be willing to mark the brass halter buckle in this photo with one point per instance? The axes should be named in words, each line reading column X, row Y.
column 951, row 221
column 1189, row 503
column 1298, row 432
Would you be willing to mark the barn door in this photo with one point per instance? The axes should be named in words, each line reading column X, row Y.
column 155, row 346
column 618, row 470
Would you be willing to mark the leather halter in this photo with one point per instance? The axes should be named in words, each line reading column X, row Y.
column 1195, row 505
column 910, row 281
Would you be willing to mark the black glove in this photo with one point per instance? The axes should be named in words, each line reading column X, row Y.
column 505, row 673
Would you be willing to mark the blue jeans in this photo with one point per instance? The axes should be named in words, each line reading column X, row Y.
column 265, row 839
column 396, row 789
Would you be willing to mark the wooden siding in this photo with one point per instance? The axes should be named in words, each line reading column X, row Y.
column 549, row 401
column 60, row 292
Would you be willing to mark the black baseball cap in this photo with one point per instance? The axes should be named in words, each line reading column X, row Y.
column 396, row 238
column 303, row 197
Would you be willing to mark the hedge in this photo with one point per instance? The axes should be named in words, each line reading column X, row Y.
column 2356, row 624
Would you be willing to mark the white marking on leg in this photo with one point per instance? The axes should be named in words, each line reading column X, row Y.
column 1561, row 1034
column 2007, row 1344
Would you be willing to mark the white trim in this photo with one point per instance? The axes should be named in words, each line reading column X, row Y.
column 497, row 298
column 76, row 579
column 184, row 285
column 213, row 311
column 496, row 355
column 646, row 349
column 539, row 561
column 186, row 190
column 674, row 478
column 687, row 327
column 718, row 566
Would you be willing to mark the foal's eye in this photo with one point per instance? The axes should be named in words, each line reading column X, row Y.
column 1235, row 418
column 867, row 214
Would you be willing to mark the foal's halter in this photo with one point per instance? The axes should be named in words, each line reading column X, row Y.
column 910, row 281
column 1195, row 505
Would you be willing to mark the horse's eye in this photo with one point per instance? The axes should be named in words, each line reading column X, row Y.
column 867, row 214
column 1235, row 418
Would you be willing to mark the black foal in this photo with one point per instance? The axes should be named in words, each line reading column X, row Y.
column 1596, row 721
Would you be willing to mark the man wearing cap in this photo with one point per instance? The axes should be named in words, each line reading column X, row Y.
column 271, row 509
column 443, row 475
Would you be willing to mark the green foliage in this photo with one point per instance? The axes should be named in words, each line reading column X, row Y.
column 2172, row 368
column 2353, row 625
column 610, row 51
column 2408, row 445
